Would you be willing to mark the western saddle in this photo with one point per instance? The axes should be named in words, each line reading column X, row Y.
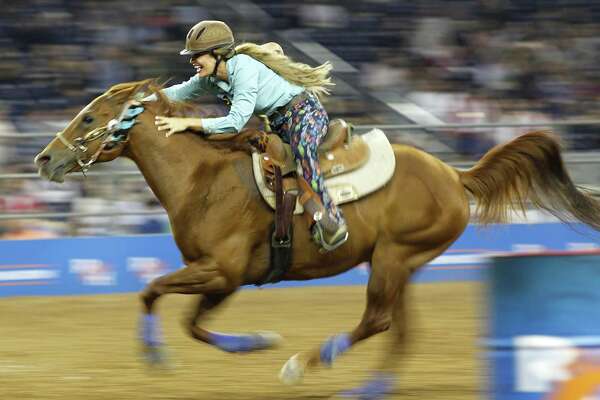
column 339, row 153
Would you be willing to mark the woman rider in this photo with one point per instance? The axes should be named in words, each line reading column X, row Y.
column 262, row 80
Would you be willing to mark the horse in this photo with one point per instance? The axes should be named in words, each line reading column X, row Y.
column 221, row 224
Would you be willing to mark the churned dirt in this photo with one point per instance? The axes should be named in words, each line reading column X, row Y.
column 86, row 347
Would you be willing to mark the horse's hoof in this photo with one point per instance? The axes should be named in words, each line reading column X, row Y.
column 292, row 371
column 155, row 356
column 270, row 339
column 377, row 388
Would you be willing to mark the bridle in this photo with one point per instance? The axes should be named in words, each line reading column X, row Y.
column 106, row 133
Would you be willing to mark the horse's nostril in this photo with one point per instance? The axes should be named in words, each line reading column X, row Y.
column 42, row 160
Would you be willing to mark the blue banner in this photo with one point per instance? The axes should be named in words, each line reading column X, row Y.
column 74, row 266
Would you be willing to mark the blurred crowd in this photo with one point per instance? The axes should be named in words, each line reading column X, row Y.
column 405, row 62
column 470, row 62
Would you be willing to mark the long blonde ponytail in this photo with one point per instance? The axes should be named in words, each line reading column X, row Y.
column 313, row 79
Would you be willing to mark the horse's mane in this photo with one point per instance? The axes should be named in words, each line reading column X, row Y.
column 165, row 106
column 142, row 89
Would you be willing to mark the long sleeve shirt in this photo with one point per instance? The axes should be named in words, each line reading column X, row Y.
column 253, row 88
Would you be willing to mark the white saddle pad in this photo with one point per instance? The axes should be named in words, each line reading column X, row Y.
column 353, row 185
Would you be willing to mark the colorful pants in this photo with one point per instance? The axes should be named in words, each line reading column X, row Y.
column 304, row 126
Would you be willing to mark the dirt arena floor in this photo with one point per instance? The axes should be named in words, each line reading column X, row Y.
column 86, row 348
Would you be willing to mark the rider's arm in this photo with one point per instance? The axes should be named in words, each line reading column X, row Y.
column 188, row 90
column 184, row 91
column 244, row 82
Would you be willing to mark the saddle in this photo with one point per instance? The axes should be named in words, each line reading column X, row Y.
column 355, row 182
column 339, row 153
column 343, row 159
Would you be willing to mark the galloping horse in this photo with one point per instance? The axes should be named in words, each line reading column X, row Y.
column 221, row 224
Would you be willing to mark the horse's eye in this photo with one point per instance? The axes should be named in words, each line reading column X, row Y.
column 88, row 119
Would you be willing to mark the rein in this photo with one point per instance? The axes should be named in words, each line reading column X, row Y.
column 109, row 134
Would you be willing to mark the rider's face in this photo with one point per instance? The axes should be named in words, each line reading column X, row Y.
column 204, row 64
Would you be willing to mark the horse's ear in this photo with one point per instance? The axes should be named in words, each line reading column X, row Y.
column 120, row 91
column 125, row 91
column 144, row 89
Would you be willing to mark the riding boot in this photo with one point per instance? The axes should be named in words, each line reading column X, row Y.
column 329, row 239
column 325, row 231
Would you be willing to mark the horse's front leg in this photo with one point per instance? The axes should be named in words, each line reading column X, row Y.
column 233, row 343
column 214, row 285
column 204, row 277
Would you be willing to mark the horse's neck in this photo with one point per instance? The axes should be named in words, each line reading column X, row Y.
column 171, row 166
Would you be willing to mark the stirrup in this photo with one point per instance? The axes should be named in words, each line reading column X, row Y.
column 336, row 240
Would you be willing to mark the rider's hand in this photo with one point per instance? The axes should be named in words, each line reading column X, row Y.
column 174, row 125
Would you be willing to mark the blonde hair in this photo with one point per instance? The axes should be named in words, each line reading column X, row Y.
column 314, row 79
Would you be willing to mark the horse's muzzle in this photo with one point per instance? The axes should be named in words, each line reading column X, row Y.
column 50, row 167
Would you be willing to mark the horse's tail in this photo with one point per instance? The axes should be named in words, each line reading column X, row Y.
column 528, row 167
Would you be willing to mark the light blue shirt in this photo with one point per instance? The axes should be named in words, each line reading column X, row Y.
column 253, row 88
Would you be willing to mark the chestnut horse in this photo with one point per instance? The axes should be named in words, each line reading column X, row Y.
column 221, row 224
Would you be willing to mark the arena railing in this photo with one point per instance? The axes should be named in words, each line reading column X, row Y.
column 115, row 174
column 395, row 126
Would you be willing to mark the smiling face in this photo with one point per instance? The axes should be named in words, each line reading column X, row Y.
column 204, row 64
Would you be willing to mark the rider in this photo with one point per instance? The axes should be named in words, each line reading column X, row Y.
column 262, row 80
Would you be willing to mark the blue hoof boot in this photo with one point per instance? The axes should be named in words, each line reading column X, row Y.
column 377, row 388
column 334, row 347
column 245, row 343
column 150, row 334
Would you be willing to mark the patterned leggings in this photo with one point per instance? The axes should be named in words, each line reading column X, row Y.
column 304, row 126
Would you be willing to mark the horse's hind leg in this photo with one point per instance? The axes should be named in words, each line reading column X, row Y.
column 387, row 282
column 383, row 380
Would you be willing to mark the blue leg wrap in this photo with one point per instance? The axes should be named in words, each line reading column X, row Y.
column 333, row 347
column 378, row 387
column 150, row 331
column 239, row 343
